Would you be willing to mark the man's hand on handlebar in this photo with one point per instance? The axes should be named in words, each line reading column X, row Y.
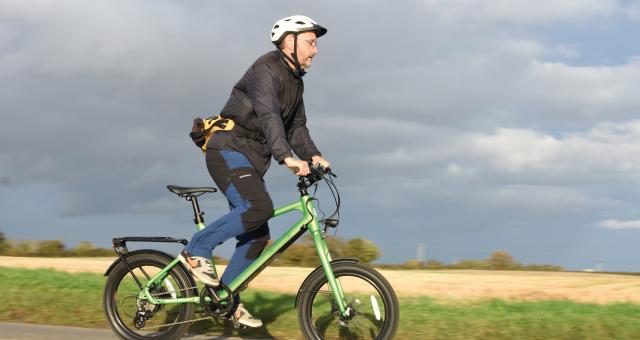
column 318, row 160
column 299, row 167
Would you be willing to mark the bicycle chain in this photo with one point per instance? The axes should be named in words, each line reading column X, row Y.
column 179, row 290
column 178, row 323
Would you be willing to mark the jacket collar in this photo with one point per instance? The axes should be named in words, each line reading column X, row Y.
column 284, row 58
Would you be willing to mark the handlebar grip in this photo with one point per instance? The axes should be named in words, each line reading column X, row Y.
column 313, row 169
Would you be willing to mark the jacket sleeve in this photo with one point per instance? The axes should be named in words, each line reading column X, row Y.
column 299, row 137
column 262, row 90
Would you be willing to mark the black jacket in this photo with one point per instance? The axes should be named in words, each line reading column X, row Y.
column 268, row 99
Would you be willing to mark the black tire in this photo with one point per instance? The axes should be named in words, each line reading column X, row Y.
column 365, row 290
column 120, row 299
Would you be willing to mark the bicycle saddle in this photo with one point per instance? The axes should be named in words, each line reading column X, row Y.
column 183, row 191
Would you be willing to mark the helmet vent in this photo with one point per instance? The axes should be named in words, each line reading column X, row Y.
column 300, row 22
column 276, row 26
column 287, row 19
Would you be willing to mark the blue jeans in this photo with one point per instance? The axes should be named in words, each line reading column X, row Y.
column 250, row 208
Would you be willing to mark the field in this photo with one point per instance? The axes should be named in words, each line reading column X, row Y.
column 434, row 304
column 463, row 285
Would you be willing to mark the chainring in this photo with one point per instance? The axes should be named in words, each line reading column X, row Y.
column 217, row 307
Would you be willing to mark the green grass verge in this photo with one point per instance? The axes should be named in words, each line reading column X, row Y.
column 51, row 297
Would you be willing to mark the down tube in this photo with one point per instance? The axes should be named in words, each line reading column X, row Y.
column 271, row 251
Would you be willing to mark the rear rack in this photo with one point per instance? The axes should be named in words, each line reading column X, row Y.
column 120, row 247
column 120, row 243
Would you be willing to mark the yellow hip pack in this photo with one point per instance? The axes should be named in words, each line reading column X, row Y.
column 203, row 129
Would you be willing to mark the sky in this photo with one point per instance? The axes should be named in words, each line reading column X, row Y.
column 465, row 126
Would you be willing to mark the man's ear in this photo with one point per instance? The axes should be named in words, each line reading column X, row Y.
column 289, row 40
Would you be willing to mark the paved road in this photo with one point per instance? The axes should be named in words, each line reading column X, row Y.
column 23, row 331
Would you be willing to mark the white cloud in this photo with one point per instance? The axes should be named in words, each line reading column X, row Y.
column 513, row 150
column 586, row 91
column 522, row 12
column 521, row 169
column 457, row 170
column 487, row 82
column 606, row 151
column 539, row 198
column 617, row 224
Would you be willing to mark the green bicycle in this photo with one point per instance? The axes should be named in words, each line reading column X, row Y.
column 150, row 295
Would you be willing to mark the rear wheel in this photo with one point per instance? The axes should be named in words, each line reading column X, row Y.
column 124, row 308
column 373, row 306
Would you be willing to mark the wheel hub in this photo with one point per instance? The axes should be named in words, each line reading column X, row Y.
column 346, row 320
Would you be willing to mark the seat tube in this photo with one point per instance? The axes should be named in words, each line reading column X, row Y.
column 199, row 222
column 325, row 259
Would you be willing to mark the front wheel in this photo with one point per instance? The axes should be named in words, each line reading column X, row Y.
column 122, row 303
column 373, row 306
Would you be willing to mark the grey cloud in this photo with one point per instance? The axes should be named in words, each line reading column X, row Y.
column 425, row 114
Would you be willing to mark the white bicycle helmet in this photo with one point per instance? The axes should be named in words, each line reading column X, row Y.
column 294, row 24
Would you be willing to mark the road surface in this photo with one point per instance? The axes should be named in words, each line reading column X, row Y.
column 23, row 331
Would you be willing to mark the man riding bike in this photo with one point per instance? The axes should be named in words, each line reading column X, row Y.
column 267, row 108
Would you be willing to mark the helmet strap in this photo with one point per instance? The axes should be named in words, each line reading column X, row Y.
column 294, row 61
column 301, row 72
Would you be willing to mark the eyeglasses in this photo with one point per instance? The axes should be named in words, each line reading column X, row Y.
column 312, row 43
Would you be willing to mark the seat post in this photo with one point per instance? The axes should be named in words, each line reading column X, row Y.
column 196, row 210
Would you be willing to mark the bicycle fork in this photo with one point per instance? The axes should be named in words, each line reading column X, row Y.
column 325, row 260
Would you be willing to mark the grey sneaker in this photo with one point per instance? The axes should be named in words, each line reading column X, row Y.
column 243, row 317
column 200, row 267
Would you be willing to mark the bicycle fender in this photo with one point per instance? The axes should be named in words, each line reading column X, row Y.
column 155, row 252
column 319, row 268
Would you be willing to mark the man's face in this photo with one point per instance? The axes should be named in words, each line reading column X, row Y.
column 307, row 48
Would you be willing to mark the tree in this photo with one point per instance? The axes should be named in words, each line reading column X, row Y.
column 87, row 249
column 338, row 247
column 84, row 248
column 502, row 260
column 543, row 267
column 433, row 264
column 362, row 249
column 21, row 248
column 300, row 254
column 412, row 264
column 4, row 246
column 51, row 248
column 471, row 264
column 303, row 253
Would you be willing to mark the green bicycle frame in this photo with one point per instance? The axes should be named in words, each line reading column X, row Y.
column 308, row 221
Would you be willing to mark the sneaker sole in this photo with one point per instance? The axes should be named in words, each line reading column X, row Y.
column 250, row 326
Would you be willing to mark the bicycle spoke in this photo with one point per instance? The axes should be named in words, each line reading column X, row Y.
column 133, row 316
column 371, row 307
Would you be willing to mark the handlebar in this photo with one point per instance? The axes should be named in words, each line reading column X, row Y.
column 319, row 170
column 316, row 173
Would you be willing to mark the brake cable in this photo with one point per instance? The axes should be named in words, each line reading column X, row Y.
column 331, row 221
